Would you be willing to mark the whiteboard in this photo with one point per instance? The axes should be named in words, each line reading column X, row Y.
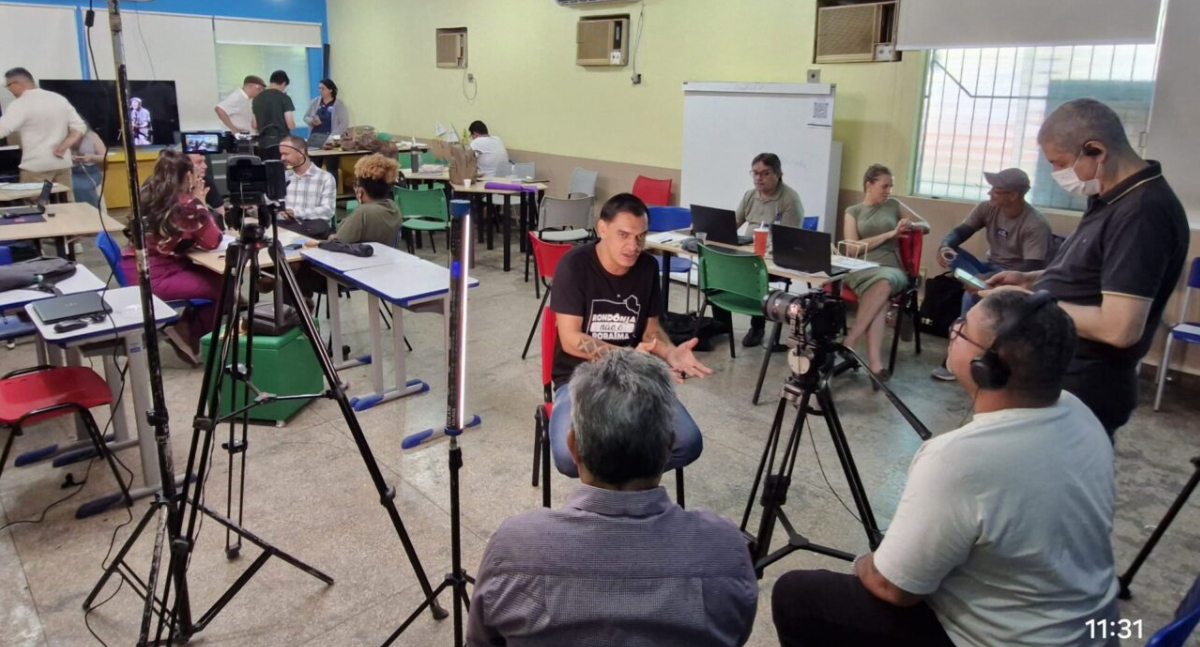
column 726, row 124
column 167, row 47
column 945, row 24
column 51, row 51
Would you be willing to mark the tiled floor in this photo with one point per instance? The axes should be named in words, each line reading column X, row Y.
column 308, row 492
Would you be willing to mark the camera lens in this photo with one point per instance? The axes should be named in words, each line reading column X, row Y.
column 782, row 307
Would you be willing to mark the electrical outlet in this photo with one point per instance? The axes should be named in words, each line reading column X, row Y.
column 637, row 79
column 470, row 78
column 614, row 57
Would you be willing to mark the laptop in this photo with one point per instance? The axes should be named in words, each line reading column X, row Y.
column 71, row 306
column 719, row 224
column 803, row 250
column 317, row 140
column 30, row 210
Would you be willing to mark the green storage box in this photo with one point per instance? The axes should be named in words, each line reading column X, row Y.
column 284, row 365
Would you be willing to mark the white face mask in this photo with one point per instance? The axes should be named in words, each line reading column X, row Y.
column 1069, row 180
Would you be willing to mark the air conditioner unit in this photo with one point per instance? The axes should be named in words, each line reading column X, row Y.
column 452, row 47
column 602, row 41
column 568, row 3
column 860, row 33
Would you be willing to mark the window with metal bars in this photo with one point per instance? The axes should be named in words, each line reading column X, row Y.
column 983, row 107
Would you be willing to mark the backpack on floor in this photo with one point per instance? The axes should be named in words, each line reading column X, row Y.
column 942, row 304
column 682, row 327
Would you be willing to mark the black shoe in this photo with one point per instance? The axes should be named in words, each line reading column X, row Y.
column 753, row 338
column 779, row 348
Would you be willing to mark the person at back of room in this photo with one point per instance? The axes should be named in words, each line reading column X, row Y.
column 1018, row 238
column 86, row 175
column 770, row 202
column 327, row 114
column 491, row 157
column 177, row 220
column 48, row 125
column 274, row 112
column 236, row 110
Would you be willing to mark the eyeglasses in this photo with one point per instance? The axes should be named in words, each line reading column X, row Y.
column 766, row 173
column 956, row 331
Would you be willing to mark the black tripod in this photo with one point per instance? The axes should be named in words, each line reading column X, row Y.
column 456, row 420
column 176, row 621
column 1127, row 577
column 812, row 367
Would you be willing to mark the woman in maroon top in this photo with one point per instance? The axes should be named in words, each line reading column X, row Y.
column 177, row 220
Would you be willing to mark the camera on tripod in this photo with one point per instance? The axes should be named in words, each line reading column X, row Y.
column 257, row 189
column 823, row 315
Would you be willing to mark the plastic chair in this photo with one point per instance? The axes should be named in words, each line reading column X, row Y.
column 541, row 415
column 112, row 254
column 734, row 282
column 671, row 219
column 6, row 256
column 32, row 395
column 423, row 211
column 427, row 157
column 562, row 220
column 546, row 256
column 652, row 191
column 583, row 182
column 1187, row 616
column 1187, row 332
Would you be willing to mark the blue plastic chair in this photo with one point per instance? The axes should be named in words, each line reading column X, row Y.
column 112, row 254
column 671, row 219
column 5, row 255
column 1187, row 332
column 1187, row 616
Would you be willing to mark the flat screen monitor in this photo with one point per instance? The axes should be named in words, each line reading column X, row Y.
column 153, row 108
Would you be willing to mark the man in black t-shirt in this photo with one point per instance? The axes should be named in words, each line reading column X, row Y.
column 274, row 112
column 1115, row 274
column 606, row 295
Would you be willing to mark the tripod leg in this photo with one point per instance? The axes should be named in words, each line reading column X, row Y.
column 768, row 453
column 762, row 372
column 1127, row 577
column 775, row 486
column 857, row 490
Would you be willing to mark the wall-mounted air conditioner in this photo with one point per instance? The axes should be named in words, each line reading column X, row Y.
column 452, row 47
column 602, row 41
column 859, row 33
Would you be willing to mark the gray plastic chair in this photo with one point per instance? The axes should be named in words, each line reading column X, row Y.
column 524, row 170
column 583, row 182
column 563, row 220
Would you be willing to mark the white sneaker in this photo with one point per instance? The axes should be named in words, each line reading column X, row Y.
column 942, row 373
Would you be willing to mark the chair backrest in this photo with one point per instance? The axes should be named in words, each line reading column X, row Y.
column 1187, row 616
column 741, row 274
column 546, row 255
column 911, row 245
column 669, row 218
column 112, row 253
column 549, row 336
column 583, row 182
column 574, row 213
column 1194, row 274
column 652, row 191
column 524, row 169
column 430, row 205
column 427, row 157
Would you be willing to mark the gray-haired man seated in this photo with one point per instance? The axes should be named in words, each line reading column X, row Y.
column 619, row 564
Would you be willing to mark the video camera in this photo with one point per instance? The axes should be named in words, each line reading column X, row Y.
column 823, row 315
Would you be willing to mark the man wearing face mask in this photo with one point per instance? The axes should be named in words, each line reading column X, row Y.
column 1113, row 276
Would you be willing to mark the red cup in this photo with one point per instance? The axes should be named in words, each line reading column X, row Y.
column 760, row 242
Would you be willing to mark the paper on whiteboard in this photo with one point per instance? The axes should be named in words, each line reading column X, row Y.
column 822, row 114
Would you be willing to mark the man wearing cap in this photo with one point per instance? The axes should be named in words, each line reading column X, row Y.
column 1018, row 237
column 234, row 110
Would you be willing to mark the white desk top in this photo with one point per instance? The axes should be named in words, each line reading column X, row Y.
column 338, row 262
column 82, row 281
column 410, row 281
column 64, row 219
column 126, row 315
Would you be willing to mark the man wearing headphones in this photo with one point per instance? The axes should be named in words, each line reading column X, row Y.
column 311, row 192
column 1002, row 534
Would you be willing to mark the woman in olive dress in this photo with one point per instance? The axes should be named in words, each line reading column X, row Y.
column 877, row 222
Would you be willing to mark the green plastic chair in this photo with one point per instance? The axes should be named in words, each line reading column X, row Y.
column 423, row 211
column 334, row 221
column 427, row 157
column 733, row 282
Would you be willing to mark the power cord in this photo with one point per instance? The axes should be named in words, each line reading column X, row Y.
column 637, row 45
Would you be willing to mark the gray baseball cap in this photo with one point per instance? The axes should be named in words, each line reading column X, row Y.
column 1010, row 179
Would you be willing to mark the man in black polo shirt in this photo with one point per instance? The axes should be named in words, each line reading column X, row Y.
column 606, row 295
column 274, row 112
column 1116, row 272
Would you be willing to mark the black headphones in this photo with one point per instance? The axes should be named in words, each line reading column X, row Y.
column 988, row 371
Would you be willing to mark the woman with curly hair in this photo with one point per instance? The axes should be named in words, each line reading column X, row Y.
column 377, row 218
column 178, row 220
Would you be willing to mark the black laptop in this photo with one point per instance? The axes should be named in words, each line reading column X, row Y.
column 27, row 209
column 802, row 250
column 71, row 306
column 719, row 224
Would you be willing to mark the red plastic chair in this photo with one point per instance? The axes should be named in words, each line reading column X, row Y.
column 546, row 256
column 32, row 395
column 541, row 417
column 653, row 192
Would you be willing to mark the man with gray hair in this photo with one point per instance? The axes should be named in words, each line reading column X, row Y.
column 1115, row 274
column 48, row 125
column 618, row 564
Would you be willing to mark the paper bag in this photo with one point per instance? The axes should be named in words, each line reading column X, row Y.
column 462, row 160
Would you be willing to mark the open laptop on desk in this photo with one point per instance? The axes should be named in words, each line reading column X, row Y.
column 719, row 224
column 810, row 252
column 71, row 306
column 30, row 210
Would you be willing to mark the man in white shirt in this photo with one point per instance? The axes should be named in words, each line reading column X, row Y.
column 311, row 192
column 234, row 110
column 1003, row 532
column 48, row 125
column 490, row 154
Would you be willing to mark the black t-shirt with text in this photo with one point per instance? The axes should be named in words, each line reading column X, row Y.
column 615, row 309
column 1132, row 240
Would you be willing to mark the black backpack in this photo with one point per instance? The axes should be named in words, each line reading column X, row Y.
column 942, row 304
column 682, row 327
column 41, row 273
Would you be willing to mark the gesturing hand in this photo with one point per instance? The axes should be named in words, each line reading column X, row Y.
column 684, row 364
